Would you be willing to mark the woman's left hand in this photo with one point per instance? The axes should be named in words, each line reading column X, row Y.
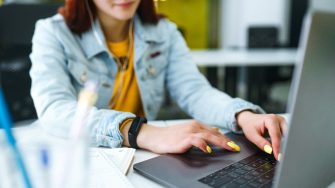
column 255, row 126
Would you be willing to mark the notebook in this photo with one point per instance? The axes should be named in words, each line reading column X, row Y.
column 121, row 157
column 109, row 166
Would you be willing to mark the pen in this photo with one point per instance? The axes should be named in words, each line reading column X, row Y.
column 87, row 98
column 44, row 157
column 6, row 124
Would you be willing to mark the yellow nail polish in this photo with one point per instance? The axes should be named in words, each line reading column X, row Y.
column 268, row 149
column 234, row 146
column 209, row 149
column 279, row 156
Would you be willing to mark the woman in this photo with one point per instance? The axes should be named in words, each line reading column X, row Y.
column 135, row 55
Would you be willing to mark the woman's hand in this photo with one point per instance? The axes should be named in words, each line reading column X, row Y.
column 255, row 126
column 180, row 138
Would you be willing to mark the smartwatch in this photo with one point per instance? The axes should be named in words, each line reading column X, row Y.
column 134, row 130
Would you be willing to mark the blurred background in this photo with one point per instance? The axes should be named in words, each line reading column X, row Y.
column 246, row 48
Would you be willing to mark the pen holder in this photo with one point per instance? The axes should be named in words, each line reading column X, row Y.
column 56, row 165
column 9, row 173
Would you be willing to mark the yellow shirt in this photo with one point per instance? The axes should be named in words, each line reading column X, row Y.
column 129, row 99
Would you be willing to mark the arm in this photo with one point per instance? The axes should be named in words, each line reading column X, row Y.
column 55, row 97
column 194, row 94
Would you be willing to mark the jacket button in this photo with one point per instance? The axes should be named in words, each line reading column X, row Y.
column 152, row 70
column 143, row 77
column 83, row 77
column 149, row 107
column 106, row 85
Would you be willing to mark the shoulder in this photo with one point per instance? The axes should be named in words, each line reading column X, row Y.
column 53, row 25
column 160, row 32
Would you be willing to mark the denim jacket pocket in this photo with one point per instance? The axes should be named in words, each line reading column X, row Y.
column 155, row 66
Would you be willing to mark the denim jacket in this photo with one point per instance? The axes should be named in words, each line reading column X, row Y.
column 62, row 61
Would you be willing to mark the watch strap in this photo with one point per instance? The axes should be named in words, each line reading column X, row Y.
column 134, row 129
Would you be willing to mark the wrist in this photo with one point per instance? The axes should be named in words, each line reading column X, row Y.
column 243, row 117
column 124, row 131
column 145, row 136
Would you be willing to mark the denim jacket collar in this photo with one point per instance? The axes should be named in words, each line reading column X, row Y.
column 143, row 34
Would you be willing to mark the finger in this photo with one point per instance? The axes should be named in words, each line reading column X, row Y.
column 283, row 126
column 218, row 140
column 255, row 137
column 201, row 144
column 273, row 127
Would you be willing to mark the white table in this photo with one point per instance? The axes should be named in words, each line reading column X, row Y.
column 236, row 82
column 245, row 57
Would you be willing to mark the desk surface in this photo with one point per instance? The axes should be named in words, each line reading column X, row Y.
column 238, row 57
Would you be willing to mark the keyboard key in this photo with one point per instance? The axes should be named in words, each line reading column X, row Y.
column 251, row 185
column 240, row 171
column 248, row 177
column 222, row 180
column 268, row 166
column 261, row 180
column 261, row 161
column 247, row 168
column 240, row 181
column 267, row 175
column 261, row 170
column 254, row 184
column 267, row 185
column 231, row 185
column 233, row 175
column 255, row 173
column 249, row 159
column 255, row 165
column 229, row 168
column 237, row 165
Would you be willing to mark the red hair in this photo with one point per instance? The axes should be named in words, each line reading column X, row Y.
column 77, row 16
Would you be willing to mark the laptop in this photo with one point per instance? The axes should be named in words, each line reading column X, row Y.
column 308, row 158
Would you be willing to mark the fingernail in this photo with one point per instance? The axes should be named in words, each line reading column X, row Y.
column 209, row 149
column 268, row 149
column 279, row 156
column 234, row 146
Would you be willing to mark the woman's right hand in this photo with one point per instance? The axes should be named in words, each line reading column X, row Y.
column 180, row 138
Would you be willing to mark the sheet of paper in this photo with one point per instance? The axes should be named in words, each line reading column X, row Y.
column 122, row 157
column 105, row 173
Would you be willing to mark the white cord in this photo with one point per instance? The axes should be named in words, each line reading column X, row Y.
column 122, row 72
column 96, row 35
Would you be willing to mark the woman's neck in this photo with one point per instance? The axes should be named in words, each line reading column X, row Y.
column 114, row 30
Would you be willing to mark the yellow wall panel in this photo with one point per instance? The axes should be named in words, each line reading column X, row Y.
column 191, row 16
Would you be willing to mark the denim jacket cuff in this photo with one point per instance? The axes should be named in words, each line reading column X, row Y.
column 110, row 135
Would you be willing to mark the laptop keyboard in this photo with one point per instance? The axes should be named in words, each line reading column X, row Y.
column 254, row 171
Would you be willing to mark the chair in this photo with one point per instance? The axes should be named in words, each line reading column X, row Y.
column 17, row 23
column 260, row 80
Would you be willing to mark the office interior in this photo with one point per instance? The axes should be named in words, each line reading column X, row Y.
column 236, row 26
